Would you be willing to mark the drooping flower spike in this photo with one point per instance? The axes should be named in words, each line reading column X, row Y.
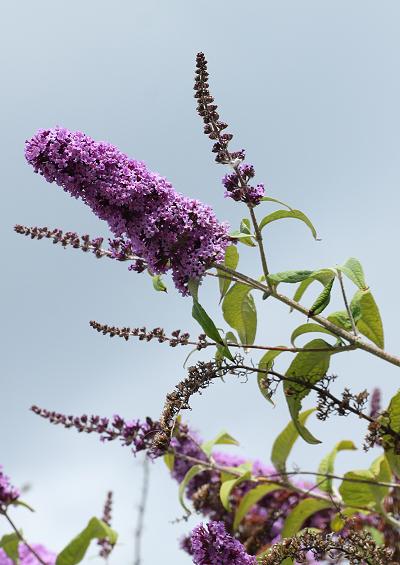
column 166, row 229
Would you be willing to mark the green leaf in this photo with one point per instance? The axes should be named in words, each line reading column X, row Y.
column 354, row 271
column 20, row 502
column 245, row 226
column 265, row 364
column 392, row 417
column 9, row 544
column 323, row 299
column 158, row 283
column 376, row 535
column 308, row 328
column 394, row 461
column 269, row 199
column 289, row 276
column 230, row 338
column 327, row 465
column 301, row 513
column 310, row 367
column 281, row 214
column 285, row 441
column 369, row 323
column 250, row 499
column 240, row 313
column 365, row 494
column 337, row 523
column 75, row 551
column 169, row 460
column 358, row 494
column 210, row 329
column 340, row 319
column 193, row 471
column 227, row 487
column 223, row 438
column 322, row 276
column 231, row 261
column 243, row 238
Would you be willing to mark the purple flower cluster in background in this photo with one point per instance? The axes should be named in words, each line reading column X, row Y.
column 8, row 493
column 260, row 528
column 238, row 188
column 163, row 227
column 211, row 544
column 26, row 557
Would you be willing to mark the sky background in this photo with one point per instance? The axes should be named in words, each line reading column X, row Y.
column 311, row 89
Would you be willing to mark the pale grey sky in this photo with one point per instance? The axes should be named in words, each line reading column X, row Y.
column 311, row 89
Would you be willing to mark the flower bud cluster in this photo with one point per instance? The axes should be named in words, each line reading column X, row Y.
column 236, row 183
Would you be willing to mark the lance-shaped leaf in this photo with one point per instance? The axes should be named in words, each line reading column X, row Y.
column 270, row 199
column 366, row 494
column 76, row 549
column 289, row 276
column 9, row 544
column 322, row 276
column 304, row 510
column 250, row 499
column 210, row 329
column 240, row 313
column 354, row 271
column 169, row 460
column 322, row 300
column 327, row 465
column 223, row 438
column 265, row 364
column 245, row 238
column 245, row 226
column 308, row 328
column 308, row 367
column 285, row 441
column 391, row 417
column 369, row 322
column 282, row 214
column 227, row 487
column 231, row 261
column 192, row 472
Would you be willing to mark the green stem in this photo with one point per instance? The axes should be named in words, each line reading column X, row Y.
column 21, row 538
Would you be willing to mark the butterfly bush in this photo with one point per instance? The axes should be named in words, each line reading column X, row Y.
column 155, row 228
column 165, row 228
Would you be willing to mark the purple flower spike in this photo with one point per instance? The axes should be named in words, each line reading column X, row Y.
column 166, row 229
column 211, row 544
column 8, row 493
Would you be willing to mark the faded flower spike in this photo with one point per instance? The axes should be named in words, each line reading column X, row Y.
column 237, row 183
column 166, row 229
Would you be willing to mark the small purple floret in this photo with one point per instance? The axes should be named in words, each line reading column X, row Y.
column 238, row 188
column 211, row 544
column 8, row 493
column 166, row 229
